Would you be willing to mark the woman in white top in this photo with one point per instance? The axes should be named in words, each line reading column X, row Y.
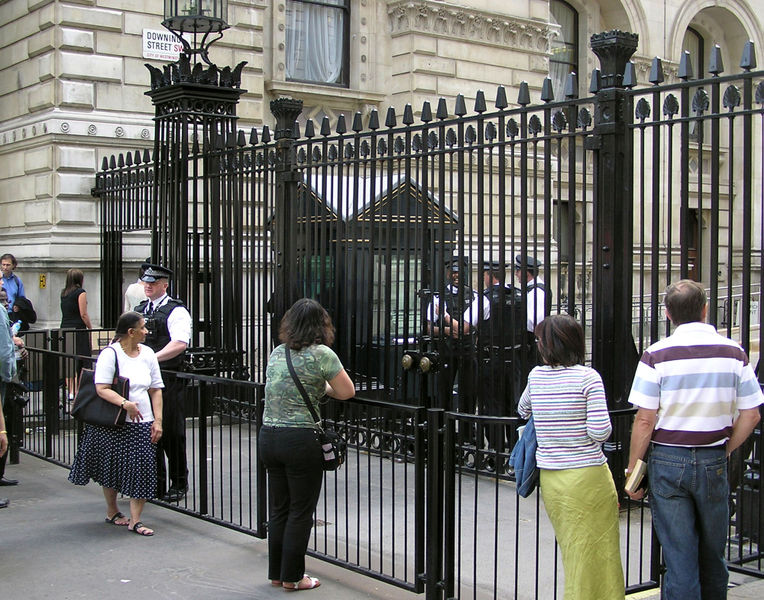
column 124, row 460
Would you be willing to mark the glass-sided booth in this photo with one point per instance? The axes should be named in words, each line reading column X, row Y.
column 369, row 249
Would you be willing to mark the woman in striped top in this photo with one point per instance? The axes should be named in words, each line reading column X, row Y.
column 569, row 408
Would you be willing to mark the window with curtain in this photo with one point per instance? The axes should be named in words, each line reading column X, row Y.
column 316, row 41
column 564, row 59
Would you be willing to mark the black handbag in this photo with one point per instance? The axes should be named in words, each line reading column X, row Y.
column 332, row 443
column 90, row 408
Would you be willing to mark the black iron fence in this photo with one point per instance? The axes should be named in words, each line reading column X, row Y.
column 415, row 505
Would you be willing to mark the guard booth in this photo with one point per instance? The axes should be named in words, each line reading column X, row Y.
column 366, row 248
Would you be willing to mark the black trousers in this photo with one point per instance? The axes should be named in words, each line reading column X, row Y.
column 294, row 460
column 499, row 382
column 459, row 367
column 173, row 440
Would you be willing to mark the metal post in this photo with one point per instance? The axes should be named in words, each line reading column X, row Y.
column 435, row 506
column 613, row 352
column 286, row 289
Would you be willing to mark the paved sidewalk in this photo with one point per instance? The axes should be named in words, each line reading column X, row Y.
column 55, row 545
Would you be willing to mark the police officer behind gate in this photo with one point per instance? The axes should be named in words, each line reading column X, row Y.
column 500, row 340
column 453, row 320
column 169, row 325
column 527, row 274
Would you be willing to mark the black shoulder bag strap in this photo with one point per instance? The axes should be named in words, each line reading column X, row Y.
column 303, row 393
column 116, row 363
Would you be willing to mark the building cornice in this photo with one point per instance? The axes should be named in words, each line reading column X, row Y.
column 442, row 20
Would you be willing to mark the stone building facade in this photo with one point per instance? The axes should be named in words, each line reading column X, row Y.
column 73, row 83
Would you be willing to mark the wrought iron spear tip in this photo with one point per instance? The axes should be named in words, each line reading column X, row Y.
column 595, row 84
column 105, row 164
column 341, row 127
column 426, row 115
column 571, row 86
column 146, row 156
column 547, row 91
column 121, row 160
column 501, row 98
column 390, row 120
column 524, row 95
column 480, row 102
column 629, row 75
column 129, row 159
column 460, row 109
column 408, row 115
column 442, row 112
column 656, row 71
column 685, row 66
column 137, row 157
column 748, row 60
column 296, row 131
column 265, row 136
column 357, row 122
column 112, row 162
column 325, row 128
column 715, row 62
column 374, row 119
column 310, row 129
column 253, row 137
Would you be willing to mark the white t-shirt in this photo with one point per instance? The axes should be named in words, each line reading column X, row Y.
column 142, row 371
column 134, row 295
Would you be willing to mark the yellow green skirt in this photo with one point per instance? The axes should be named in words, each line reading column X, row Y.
column 583, row 507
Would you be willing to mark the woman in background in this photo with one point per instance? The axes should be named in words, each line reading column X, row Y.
column 123, row 460
column 74, row 315
column 288, row 440
column 567, row 401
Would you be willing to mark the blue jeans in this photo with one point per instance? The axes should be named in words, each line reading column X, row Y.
column 688, row 498
column 294, row 460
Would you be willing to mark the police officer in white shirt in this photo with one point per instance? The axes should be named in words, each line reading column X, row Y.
column 169, row 325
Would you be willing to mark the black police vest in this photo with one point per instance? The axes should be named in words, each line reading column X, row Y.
column 159, row 335
column 457, row 304
column 506, row 325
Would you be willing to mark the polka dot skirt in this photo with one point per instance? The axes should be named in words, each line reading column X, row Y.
column 123, row 459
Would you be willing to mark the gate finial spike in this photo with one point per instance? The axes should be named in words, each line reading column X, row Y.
column 390, row 120
column 408, row 114
column 501, row 98
column 242, row 139
column 656, row 72
column 524, row 95
column 480, row 102
column 595, row 85
column 461, row 108
column 325, row 128
column 374, row 119
column 426, row 115
column 121, row 160
column 715, row 62
column 629, row 75
column 253, row 137
column 547, row 91
column 341, row 127
column 105, row 164
column 265, row 136
column 112, row 162
column 442, row 112
column 357, row 122
column 685, row 66
column 748, row 60
column 296, row 131
column 129, row 159
column 310, row 129
column 137, row 157
column 571, row 85
column 146, row 156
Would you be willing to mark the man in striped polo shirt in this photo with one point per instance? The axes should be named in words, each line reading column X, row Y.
column 698, row 400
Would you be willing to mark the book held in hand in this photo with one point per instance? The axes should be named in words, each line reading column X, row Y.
column 637, row 478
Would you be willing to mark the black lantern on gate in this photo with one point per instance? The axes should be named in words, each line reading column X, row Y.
column 198, row 18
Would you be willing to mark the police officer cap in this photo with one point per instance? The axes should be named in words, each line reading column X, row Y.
column 155, row 272
column 456, row 263
column 493, row 265
column 526, row 262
